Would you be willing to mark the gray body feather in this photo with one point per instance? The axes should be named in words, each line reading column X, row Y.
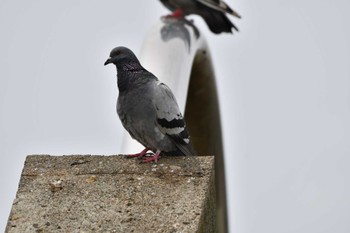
column 147, row 108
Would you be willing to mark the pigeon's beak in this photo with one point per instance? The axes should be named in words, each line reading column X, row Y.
column 108, row 61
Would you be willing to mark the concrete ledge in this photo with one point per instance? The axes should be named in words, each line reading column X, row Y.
column 114, row 194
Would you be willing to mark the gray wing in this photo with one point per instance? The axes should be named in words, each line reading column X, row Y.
column 170, row 120
column 219, row 6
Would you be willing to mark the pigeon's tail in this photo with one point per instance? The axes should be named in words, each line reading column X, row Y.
column 218, row 22
column 187, row 149
column 183, row 150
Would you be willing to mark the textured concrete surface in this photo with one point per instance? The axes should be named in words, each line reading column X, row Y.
column 114, row 194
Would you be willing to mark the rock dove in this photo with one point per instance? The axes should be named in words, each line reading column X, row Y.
column 212, row 11
column 147, row 109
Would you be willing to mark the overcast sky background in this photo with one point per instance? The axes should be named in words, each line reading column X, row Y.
column 284, row 88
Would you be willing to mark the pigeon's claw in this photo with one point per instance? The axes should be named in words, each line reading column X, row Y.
column 177, row 14
column 139, row 155
column 154, row 158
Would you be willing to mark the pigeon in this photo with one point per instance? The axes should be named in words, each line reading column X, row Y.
column 212, row 11
column 148, row 109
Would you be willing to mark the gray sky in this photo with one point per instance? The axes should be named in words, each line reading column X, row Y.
column 284, row 85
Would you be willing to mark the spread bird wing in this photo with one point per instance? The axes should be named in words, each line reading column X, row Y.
column 219, row 6
column 170, row 120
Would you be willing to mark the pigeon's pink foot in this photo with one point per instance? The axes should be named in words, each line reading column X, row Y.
column 178, row 14
column 139, row 155
column 151, row 159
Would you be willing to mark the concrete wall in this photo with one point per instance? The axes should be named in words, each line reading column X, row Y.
column 114, row 194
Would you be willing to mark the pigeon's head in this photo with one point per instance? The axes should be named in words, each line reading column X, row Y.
column 120, row 56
